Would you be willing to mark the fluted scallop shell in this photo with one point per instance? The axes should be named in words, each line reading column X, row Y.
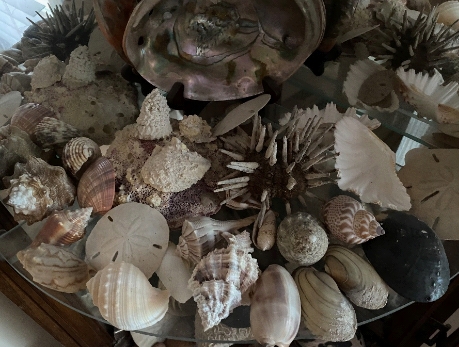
column 78, row 154
column 56, row 268
column 448, row 13
column 356, row 278
column 63, row 227
column 348, row 221
column 51, row 132
column 275, row 291
column 125, row 298
column 325, row 311
column 96, row 188
column 28, row 116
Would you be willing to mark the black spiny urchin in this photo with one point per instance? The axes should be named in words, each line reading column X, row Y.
column 58, row 34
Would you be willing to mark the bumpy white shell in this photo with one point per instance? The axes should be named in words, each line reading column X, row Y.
column 47, row 72
column 153, row 122
column 125, row 298
column 174, row 167
column 195, row 129
column 448, row 13
column 56, row 268
column 366, row 166
column 81, row 70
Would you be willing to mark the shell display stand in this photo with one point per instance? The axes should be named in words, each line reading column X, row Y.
column 401, row 130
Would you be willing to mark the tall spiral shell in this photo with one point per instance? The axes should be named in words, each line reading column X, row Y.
column 125, row 298
column 78, row 154
column 348, row 221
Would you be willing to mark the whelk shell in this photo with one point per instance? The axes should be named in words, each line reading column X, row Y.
column 63, row 227
column 28, row 116
column 56, row 268
column 356, row 278
column 125, row 298
column 52, row 132
column 275, row 313
column 78, row 154
column 347, row 220
column 96, row 188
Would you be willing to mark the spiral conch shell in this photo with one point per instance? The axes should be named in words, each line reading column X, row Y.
column 356, row 278
column 325, row 311
column 275, row 291
column 348, row 221
column 125, row 297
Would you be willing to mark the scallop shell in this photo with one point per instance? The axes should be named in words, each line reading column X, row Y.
column 125, row 298
column 200, row 235
column 28, row 116
column 366, row 166
column 78, row 154
column 448, row 13
column 275, row 310
column 63, row 227
column 382, row 96
column 347, row 220
column 325, row 311
column 56, row 268
column 356, row 278
column 52, row 132
column 96, row 188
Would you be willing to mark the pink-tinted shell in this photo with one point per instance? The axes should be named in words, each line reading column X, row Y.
column 96, row 188
column 78, row 154
column 27, row 116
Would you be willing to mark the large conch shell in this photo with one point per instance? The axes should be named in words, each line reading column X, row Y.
column 348, row 221
column 356, row 278
column 325, row 311
column 200, row 235
column 125, row 298
column 275, row 309
column 56, row 268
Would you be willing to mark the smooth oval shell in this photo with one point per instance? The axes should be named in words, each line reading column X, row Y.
column 125, row 298
column 301, row 239
column 410, row 258
column 325, row 311
column 27, row 116
column 275, row 313
column 78, row 154
column 96, row 188
column 356, row 278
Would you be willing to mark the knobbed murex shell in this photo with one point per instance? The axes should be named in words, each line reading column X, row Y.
column 125, row 298
column 27, row 116
column 356, row 278
column 348, row 221
column 275, row 312
column 78, row 154
column 325, row 311
column 56, row 268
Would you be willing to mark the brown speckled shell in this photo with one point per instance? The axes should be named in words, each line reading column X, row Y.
column 52, row 132
column 78, row 154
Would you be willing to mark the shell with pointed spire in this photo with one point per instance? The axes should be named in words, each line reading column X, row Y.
column 348, row 221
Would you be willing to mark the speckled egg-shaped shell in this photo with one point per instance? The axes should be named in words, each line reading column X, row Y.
column 410, row 258
column 301, row 239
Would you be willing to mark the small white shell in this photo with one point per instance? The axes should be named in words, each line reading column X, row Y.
column 81, row 70
column 153, row 122
column 47, row 72
column 266, row 235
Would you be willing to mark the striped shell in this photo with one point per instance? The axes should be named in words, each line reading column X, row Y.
column 448, row 13
column 52, row 132
column 349, row 222
column 27, row 116
column 78, row 154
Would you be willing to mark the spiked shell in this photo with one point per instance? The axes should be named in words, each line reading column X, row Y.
column 27, row 116
column 78, row 154
column 348, row 221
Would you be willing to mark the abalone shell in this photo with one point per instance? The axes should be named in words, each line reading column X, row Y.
column 221, row 50
column 410, row 258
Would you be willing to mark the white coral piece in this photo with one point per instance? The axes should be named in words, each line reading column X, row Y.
column 174, row 167
column 81, row 70
column 153, row 122
column 195, row 129
column 47, row 72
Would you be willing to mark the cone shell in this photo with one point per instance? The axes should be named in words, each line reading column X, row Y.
column 27, row 116
column 348, row 221
column 78, row 154
column 275, row 312
column 356, row 278
column 125, row 298
column 325, row 311
column 56, row 268
column 52, row 132
column 63, row 227
column 96, row 188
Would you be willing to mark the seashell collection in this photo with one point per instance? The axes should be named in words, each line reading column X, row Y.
column 219, row 206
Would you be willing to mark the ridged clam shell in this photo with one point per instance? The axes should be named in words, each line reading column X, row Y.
column 125, row 298
column 96, row 188
column 356, row 278
column 348, row 221
column 28, row 116
column 52, row 132
column 325, row 311
column 275, row 291
column 56, row 268
column 63, row 227
column 448, row 13
column 78, row 154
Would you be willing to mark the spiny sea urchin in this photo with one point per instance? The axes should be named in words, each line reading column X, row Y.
column 58, row 34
